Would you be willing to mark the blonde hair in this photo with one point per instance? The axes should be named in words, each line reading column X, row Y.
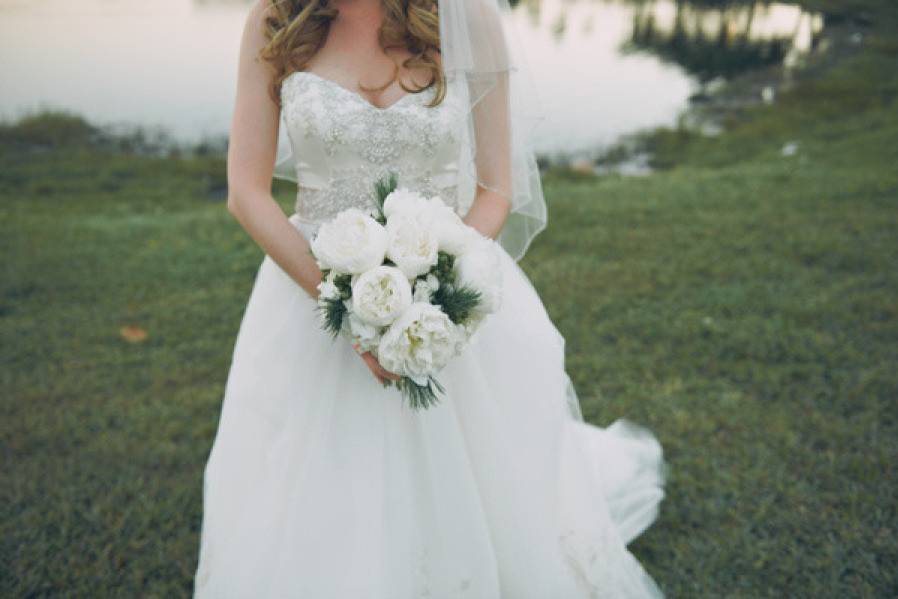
column 296, row 30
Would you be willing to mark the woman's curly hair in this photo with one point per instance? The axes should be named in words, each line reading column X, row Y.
column 296, row 30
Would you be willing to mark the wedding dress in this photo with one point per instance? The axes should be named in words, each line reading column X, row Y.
column 322, row 484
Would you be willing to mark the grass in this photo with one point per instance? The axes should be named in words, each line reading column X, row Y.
column 741, row 305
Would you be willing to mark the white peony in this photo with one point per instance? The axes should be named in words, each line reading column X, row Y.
column 419, row 343
column 351, row 242
column 380, row 295
column 479, row 268
column 410, row 245
column 403, row 201
column 425, row 288
column 367, row 335
column 452, row 234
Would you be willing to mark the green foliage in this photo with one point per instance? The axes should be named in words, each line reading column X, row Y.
column 382, row 188
column 333, row 311
column 343, row 282
column 418, row 397
column 457, row 302
column 444, row 268
column 51, row 128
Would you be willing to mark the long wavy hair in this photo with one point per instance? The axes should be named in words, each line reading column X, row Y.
column 296, row 30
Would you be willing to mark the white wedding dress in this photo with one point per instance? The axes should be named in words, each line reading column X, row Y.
column 322, row 484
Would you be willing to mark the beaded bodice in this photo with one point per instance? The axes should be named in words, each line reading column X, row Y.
column 342, row 144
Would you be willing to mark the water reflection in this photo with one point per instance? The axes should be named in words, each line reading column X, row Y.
column 724, row 41
column 604, row 67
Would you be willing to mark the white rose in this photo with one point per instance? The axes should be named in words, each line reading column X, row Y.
column 411, row 247
column 425, row 288
column 419, row 343
column 380, row 295
column 403, row 201
column 452, row 234
column 352, row 242
column 480, row 269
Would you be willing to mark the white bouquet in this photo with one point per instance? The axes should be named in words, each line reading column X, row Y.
column 410, row 282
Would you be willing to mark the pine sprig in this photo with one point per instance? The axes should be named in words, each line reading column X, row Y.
column 333, row 311
column 444, row 268
column 457, row 302
column 382, row 188
column 419, row 396
column 343, row 283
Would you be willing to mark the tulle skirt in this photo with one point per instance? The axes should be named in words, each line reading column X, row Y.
column 322, row 484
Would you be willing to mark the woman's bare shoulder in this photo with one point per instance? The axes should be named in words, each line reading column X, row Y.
column 258, row 13
column 262, row 8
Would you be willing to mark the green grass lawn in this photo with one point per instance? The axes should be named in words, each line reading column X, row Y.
column 741, row 304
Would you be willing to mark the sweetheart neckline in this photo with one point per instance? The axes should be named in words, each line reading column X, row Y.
column 355, row 95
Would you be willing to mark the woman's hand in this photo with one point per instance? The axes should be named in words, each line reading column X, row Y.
column 488, row 212
column 379, row 372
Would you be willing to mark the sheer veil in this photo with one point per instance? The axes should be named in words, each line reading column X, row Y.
column 483, row 63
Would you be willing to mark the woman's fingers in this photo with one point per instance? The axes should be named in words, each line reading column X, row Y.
column 386, row 373
column 391, row 375
column 372, row 364
column 374, row 367
column 380, row 373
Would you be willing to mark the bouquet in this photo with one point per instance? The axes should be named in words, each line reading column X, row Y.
column 408, row 281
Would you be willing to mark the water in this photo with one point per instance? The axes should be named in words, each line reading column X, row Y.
column 604, row 67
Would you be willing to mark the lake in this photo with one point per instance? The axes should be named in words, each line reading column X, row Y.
column 604, row 67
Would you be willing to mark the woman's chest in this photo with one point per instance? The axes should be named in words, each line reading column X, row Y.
column 325, row 118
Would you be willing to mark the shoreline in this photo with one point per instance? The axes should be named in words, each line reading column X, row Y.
column 717, row 106
column 722, row 104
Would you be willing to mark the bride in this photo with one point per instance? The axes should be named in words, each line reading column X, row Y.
column 321, row 482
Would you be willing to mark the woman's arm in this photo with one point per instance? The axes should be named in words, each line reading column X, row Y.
column 488, row 212
column 251, row 154
column 491, row 119
column 252, row 150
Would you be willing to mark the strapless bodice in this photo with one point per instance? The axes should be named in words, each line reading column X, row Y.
column 342, row 144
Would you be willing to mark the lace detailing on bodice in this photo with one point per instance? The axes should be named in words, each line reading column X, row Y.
column 342, row 144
